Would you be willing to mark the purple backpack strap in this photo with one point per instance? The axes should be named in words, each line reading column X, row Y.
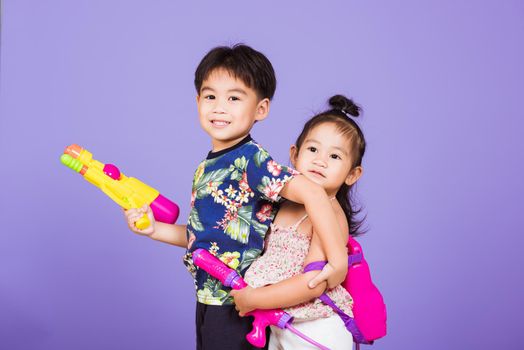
column 349, row 322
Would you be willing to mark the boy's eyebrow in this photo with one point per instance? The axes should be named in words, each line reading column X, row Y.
column 238, row 90
column 204, row 88
column 335, row 147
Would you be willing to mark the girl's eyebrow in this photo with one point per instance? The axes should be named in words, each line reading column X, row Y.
column 311, row 140
column 341, row 149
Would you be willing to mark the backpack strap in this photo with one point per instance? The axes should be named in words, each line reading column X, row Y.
column 349, row 321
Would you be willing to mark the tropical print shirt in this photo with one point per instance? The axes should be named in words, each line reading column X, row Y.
column 233, row 202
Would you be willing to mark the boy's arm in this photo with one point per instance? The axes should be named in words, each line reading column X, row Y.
column 171, row 234
column 159, row 231
column 325, row 224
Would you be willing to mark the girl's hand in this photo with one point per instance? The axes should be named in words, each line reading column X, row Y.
column 132, row 215
column 331, row 275
column 243, row 300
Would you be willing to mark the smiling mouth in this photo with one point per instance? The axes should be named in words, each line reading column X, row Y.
column 220, row 123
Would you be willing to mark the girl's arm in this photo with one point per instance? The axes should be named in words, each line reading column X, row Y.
column 325, row 224
column 290, row 292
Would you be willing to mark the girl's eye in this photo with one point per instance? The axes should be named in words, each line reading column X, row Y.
column 312, row 149
column 335, row 156
column 209, row 97
column 234, row 98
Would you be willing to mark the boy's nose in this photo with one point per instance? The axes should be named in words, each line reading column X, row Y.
column 219, row 107
column 218, row 110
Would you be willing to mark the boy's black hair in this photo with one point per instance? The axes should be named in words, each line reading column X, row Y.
column 244, row 63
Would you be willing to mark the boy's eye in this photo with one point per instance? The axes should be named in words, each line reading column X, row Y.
column 234, row 98
column 312, row 149
column 209, row 97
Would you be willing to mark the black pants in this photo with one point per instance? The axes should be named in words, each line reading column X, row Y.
column 220, row 328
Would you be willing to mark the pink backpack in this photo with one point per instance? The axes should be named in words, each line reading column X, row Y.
column 369, row 311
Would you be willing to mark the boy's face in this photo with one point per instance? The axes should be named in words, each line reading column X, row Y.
column 227, row 109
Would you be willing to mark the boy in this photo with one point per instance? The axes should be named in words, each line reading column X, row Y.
column 235, row 190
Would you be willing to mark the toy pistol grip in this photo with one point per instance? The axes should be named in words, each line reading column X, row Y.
column 257, row 336
column 143, row 222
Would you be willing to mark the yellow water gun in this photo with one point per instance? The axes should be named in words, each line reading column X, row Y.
column 127, row 192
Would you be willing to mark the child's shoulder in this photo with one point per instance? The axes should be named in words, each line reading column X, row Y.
column 253, row 150
column 341, row 218
column 255, row 147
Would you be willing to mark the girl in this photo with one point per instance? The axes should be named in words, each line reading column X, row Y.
column 329, row 152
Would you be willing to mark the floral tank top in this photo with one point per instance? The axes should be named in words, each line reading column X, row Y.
column 286, row 251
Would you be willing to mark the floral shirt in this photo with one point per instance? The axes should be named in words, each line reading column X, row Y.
column 232, row 205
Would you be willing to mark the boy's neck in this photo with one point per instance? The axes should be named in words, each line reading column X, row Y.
column 226, row 147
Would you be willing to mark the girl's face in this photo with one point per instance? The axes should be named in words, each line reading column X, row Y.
column 325, row 158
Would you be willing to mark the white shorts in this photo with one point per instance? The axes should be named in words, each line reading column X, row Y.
column 329, row 332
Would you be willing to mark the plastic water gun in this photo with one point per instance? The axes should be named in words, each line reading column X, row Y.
column 369, row 309
column 263, row 318
column 128, row 192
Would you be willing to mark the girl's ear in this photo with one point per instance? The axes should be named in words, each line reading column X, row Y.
column 293, row 154
column 262, row 109
column 354, row 175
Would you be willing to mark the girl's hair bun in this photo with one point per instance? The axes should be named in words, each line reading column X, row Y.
column 344, row 104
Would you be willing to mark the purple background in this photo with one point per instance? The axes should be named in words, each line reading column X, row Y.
column 441, row 83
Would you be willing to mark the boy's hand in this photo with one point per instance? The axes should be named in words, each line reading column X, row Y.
column 243, row 298
column 329, row 273
column 133, row 215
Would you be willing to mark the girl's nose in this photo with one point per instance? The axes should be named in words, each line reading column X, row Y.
column 319, row 162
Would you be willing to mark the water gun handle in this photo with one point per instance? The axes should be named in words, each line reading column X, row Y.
column 141, row 223
column 263, row 319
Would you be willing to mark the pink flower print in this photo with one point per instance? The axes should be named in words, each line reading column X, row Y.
column 274, row 168
column 293, row 171
column 272, row 189
column 193, row 196
column 191, row 240
column 243, row 185
column 265, row 212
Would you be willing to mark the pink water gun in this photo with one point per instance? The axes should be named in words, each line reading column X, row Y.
column 369, row 309
column 263, row 318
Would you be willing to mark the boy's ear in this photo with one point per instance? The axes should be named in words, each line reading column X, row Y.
column 262, row 109
column 293, row 154
column 354, row 175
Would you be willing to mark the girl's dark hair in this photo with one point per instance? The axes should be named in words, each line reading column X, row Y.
column 244, row 63
column 339, row 114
